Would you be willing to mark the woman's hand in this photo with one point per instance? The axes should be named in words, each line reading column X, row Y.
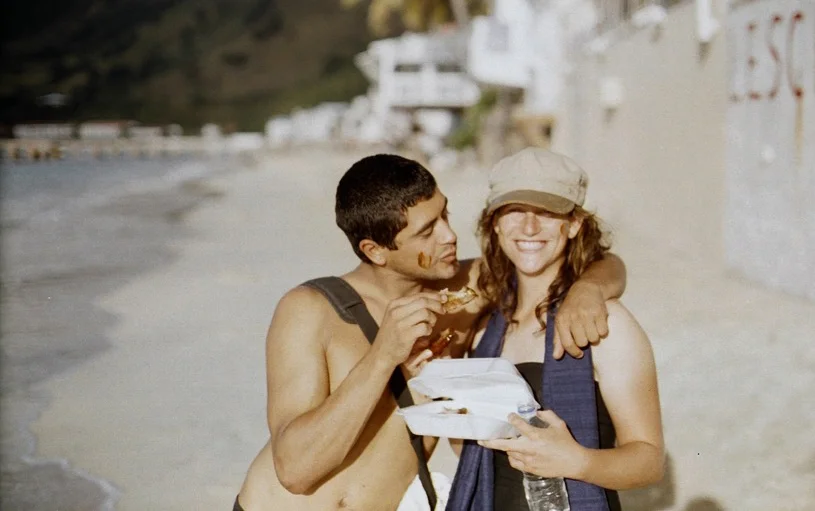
column 547, row 452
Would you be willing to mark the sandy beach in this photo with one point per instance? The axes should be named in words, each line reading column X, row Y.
column 162, row 405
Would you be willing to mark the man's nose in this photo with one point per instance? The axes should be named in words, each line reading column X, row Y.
column 448, row 235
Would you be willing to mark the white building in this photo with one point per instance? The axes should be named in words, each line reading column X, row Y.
column 104, row 130
column 278, row 131
column 49, row 131
column 524, row 45
column 352, row 121
column 318, row 124
column 414, row 73
column 211, row 131
column 242, row 142
column 146, row 132
column 418, row 71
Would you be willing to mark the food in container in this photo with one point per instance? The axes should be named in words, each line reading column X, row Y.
column 472, row 399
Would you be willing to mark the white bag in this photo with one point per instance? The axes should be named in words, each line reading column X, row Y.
column 415, row 499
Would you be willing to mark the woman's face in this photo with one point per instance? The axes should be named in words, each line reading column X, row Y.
column 532, row 238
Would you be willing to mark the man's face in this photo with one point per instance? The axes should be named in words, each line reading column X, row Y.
column 426, row 247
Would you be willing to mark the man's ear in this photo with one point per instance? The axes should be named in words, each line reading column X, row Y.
column 375, row 252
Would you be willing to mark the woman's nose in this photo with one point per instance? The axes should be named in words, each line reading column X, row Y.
column 531, row 224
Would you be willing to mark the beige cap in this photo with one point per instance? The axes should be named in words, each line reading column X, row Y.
column 537, row 177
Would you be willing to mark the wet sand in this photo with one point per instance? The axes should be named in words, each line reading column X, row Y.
column 62, row 249
column 167, row 400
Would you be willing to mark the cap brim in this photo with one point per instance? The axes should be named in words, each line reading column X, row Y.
column 543, row 200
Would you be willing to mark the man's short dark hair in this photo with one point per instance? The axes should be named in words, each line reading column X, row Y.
column 374, row 195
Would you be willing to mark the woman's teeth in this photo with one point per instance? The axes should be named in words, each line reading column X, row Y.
column 530, row 246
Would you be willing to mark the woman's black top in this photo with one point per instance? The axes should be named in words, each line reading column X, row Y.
column 509, row 490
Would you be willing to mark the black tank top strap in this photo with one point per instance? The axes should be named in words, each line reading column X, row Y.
column 347, row 302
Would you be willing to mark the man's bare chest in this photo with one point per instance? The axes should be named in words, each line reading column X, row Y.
column 345, row 346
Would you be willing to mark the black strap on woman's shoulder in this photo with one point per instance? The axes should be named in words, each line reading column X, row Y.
column 351, row 308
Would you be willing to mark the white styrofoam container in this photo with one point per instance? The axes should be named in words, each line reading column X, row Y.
column 489, row 388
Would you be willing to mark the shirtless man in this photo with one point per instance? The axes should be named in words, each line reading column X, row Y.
column 336, row 441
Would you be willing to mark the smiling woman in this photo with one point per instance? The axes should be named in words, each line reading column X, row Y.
column 605, row 429
column 533, row 209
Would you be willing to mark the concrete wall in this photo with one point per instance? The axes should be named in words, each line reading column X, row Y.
column 770, row 214
column 711, row 151
column 657, row 161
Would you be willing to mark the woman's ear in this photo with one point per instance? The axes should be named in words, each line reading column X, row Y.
column 375, row 252
column 575, row 223
column 495, row 227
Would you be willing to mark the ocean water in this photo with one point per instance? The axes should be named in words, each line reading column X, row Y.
column 30, row 190
column 71, row 231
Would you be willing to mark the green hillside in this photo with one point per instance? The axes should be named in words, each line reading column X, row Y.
column 234, row 62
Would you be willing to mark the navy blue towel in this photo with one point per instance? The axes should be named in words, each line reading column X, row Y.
column 567, row 389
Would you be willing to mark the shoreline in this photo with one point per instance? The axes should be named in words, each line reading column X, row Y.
column 42, row 299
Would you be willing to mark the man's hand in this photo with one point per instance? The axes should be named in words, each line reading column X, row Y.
column 406, row 320
column 581, row 319
column 416, row 362
column 429, row 348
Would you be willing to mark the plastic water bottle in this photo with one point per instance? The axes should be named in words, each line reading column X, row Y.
column 542, row 493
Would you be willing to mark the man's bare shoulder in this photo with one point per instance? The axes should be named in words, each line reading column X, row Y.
column 302, row 310
column 303, row 299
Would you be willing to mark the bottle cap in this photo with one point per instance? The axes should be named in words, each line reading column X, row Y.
column 526, row 409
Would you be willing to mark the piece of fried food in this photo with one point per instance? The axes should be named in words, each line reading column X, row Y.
column 454, row 411
column 458, row 299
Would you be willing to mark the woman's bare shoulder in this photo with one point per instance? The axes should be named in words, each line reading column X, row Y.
column 626, row 337
column 624, row 358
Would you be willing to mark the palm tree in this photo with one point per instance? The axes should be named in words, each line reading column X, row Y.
column 418, row 15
